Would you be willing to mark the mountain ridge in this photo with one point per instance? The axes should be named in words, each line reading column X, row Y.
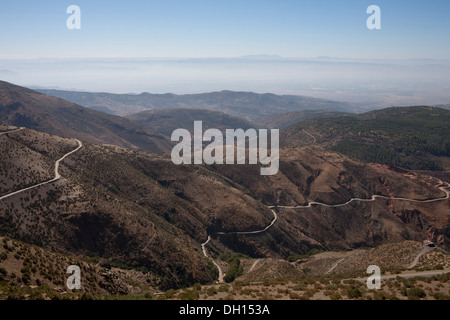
column 410, row 137
column 248, row 105
column 165, row 121
column 20, row 106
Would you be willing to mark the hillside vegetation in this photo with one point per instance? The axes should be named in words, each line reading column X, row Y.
column 23, row 107
column 409, row 137
column 33, row 273
column 165, row 121
column 138, row 211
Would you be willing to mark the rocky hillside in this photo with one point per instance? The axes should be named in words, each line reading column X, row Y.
column 133, row 209
column 20, row 106
column 409, row 137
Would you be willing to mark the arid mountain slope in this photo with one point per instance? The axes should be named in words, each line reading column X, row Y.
column 31, row 272
column 132, row 208
column 24, row 107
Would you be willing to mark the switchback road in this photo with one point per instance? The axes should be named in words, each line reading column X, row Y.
column 57, row 175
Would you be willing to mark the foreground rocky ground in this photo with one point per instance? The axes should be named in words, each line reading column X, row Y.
column 29, row 273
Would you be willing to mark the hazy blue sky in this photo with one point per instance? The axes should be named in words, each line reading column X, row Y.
column 225, row 28
column 121, row 43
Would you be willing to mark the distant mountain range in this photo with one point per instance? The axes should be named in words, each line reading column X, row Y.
column 20, row 106
column 248, row 105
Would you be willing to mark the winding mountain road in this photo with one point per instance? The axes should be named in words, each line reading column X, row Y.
column 11, row 131
column 205, row 253
column 421, row 253
column 309, row 134
column 443, row 186
column 335, row 265
column 57, row 175
column 254, row 265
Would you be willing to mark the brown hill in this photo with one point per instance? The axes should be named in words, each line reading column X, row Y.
column 33, row 273
column 138, row 210
column 24, row 107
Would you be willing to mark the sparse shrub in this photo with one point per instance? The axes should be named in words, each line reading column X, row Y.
column 212, row 291
column 240, row 283
column 224, row 288
column 189, row 295
column 3, row 255
column 354, row 293
column 298, row 287
column 416, row 293
column 307, row 294
column 87, row 296
column 440, row 296
column 294, row 296
column 380, row 295
column 335, row 296
column 283, row 291
column 404, row 292
column 408, row 283
column 246, row 291
column 148, row 295
column 3, row 273
column 198, row 286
